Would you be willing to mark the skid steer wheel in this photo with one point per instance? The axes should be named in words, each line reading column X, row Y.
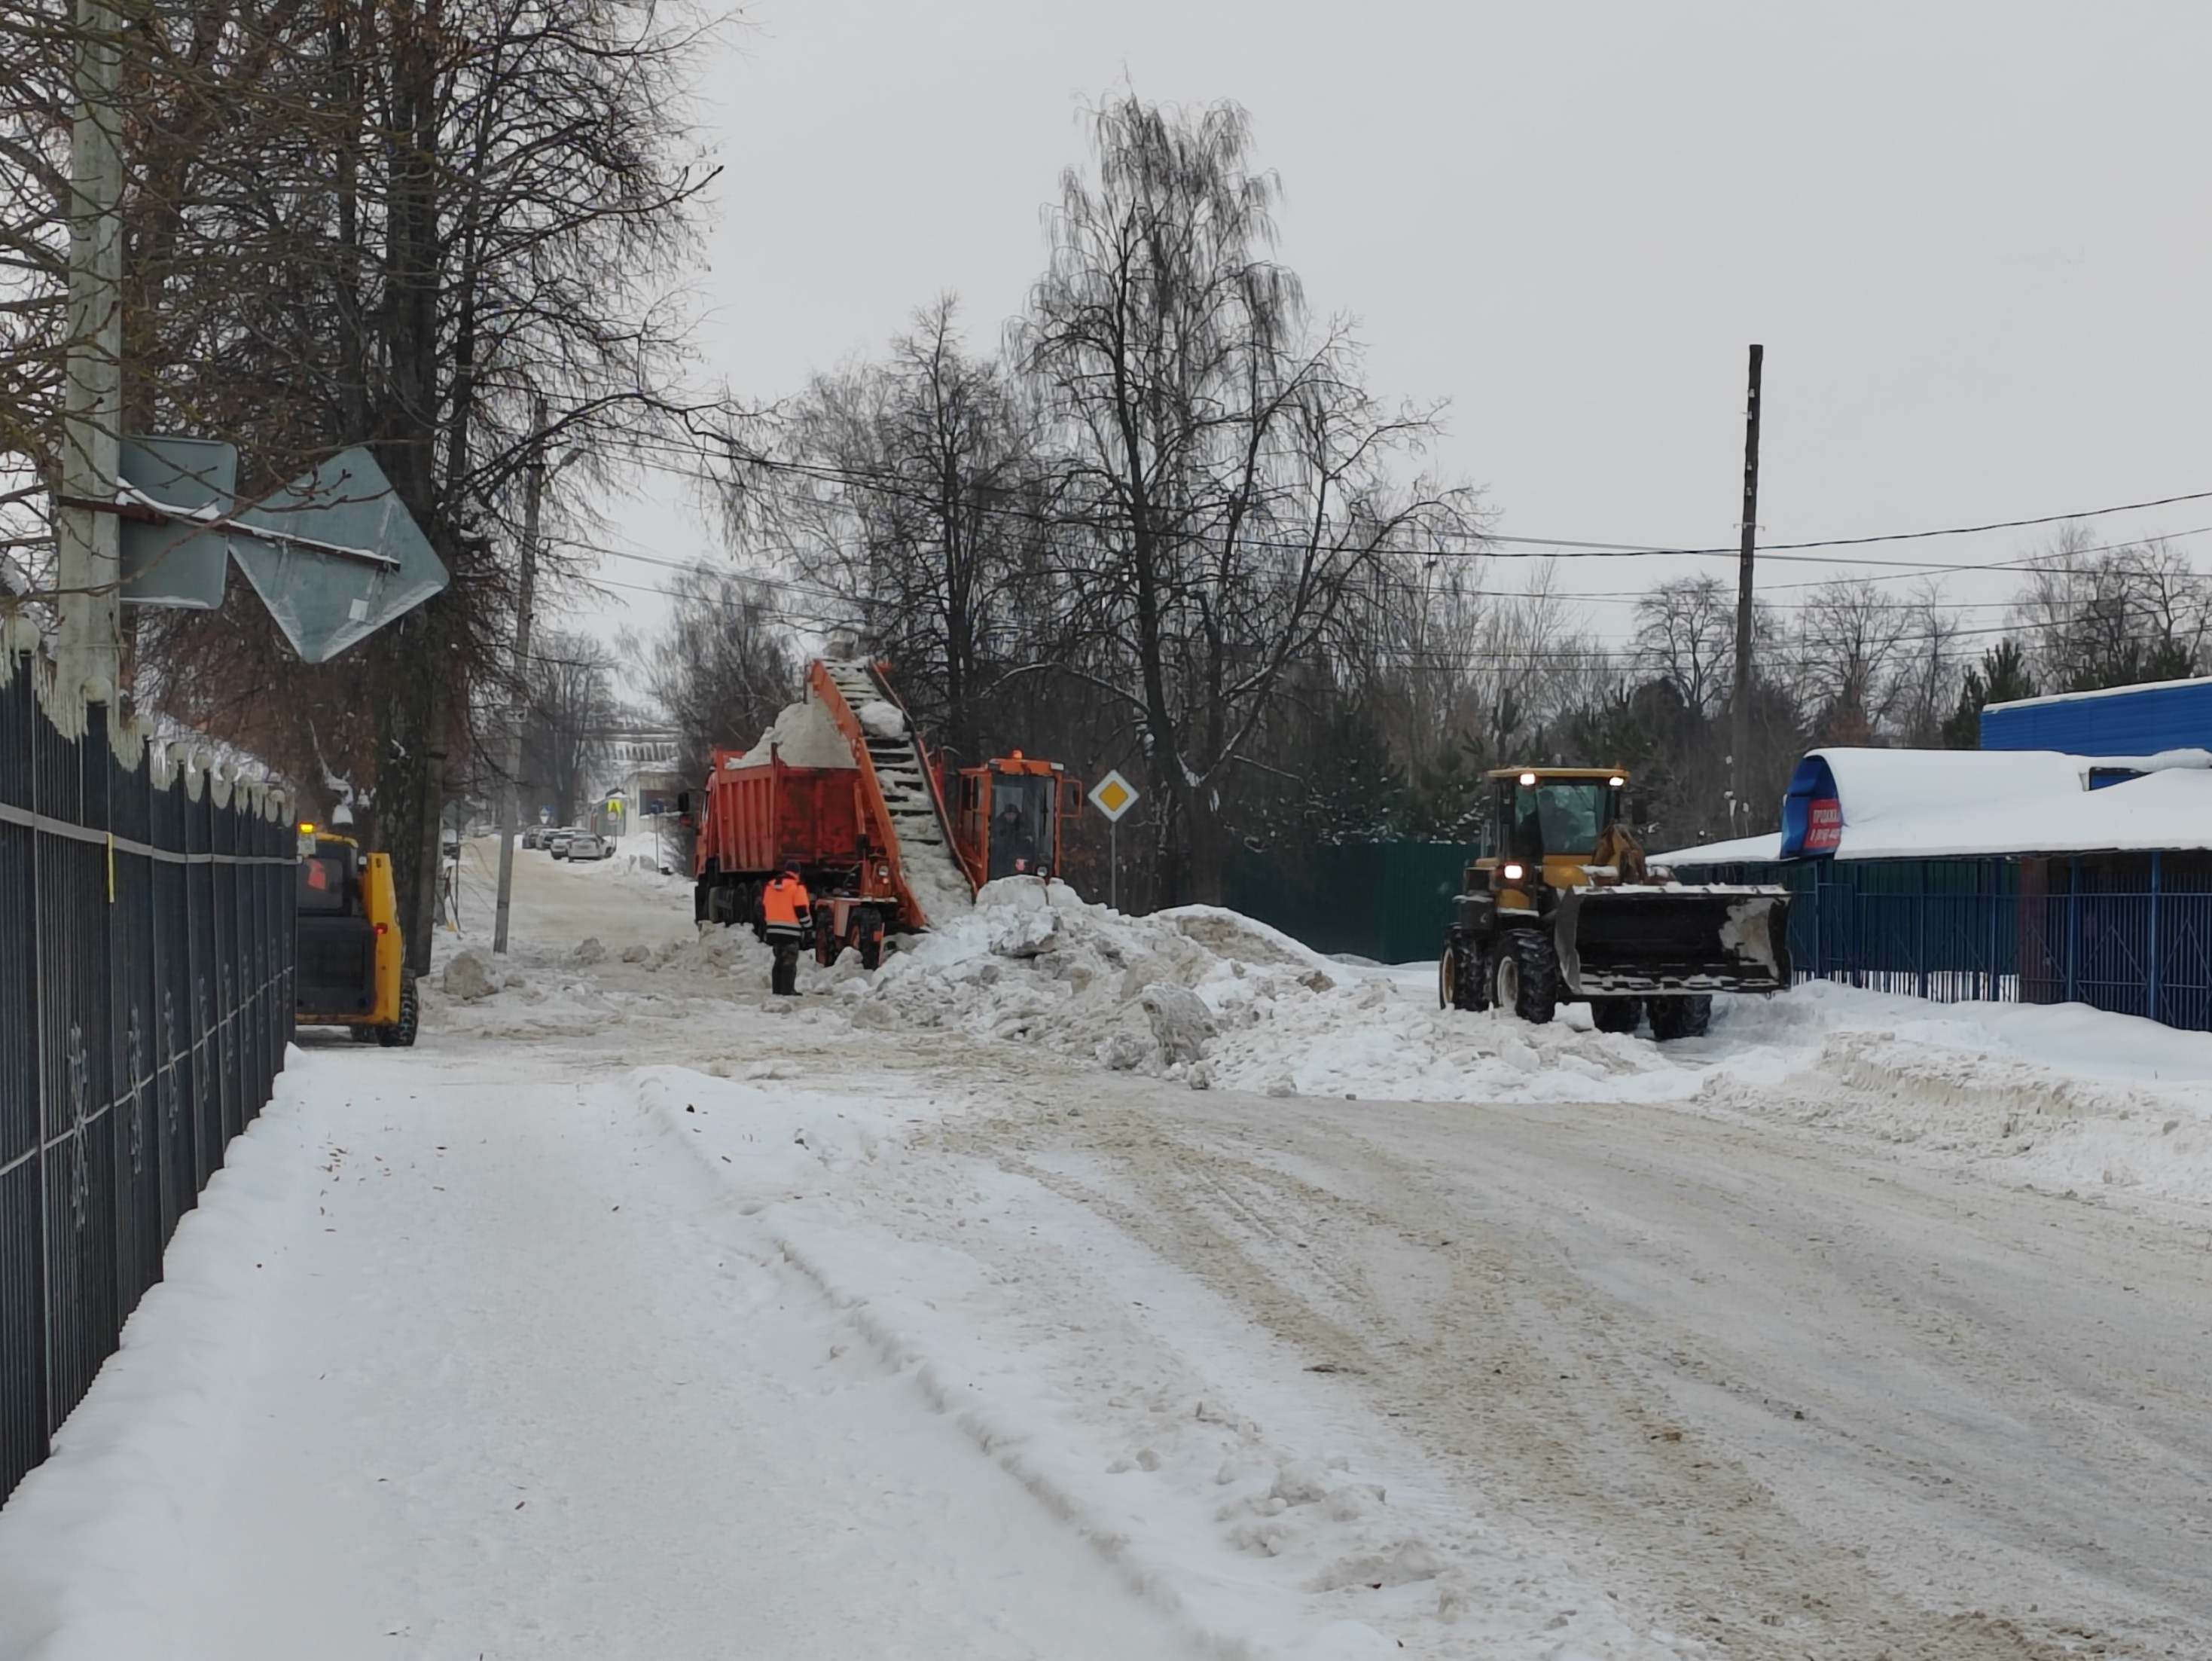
column 1680, row 1017
column 1615, row 1014
column 400, row 1035
column 1524, row 976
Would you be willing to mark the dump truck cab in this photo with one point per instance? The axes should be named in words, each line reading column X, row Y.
column 1007, row 815
column 352, row 964
column 1564, row 908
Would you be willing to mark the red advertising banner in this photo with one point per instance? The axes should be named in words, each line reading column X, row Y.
column 1824, row 826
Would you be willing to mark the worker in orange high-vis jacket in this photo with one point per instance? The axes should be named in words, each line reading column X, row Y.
column 787, row 919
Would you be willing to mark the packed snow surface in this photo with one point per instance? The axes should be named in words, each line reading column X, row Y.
column 1042, row 1295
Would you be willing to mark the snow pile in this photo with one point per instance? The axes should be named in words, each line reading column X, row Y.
column 1211, row 997
column 802, row 736
column 933, row 876
column 1032, row 961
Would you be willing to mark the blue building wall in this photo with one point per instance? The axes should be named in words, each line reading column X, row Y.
column 2129, row 721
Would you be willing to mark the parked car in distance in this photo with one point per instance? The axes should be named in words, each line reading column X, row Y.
column 585, row 846
column 530, row 836
column 557, row 843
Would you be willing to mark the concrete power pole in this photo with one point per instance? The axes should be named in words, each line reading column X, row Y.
column 1739, row 712
column 87, row 542
column 511, row 803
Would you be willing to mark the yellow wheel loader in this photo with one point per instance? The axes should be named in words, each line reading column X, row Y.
column 1566, row 911
column 352, row 964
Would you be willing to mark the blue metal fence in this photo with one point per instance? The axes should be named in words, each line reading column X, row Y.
column 2128, row 933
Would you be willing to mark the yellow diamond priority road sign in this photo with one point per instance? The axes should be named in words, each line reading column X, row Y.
column 1114, row 796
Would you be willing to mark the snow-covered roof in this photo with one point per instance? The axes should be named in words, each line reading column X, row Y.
column 1926, row 804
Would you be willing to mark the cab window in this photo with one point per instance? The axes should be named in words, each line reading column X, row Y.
column 323, row 879
column 1562, row 817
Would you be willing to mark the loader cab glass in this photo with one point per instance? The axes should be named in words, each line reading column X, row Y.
column 1021, row 836
column 326, row 880
column 1558, row 816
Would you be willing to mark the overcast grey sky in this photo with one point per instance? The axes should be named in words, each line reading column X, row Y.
column 1973, row 238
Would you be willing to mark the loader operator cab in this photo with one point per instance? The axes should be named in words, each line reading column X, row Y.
column 1549, row 825
column 1007, row 817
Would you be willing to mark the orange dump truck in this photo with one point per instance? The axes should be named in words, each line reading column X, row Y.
column 851, row 803
column 843, row 789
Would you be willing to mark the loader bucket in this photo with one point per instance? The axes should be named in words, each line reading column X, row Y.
column 1658, row 938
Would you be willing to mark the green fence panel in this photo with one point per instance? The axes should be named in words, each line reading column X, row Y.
column 1387, row 901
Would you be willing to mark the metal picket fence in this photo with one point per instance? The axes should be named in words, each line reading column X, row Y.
column 146, row 947
column 2128, row 933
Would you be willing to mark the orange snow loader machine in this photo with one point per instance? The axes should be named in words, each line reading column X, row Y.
column 1008, row 816
column 352, row 964
column 872, row 840
column 1566, row 909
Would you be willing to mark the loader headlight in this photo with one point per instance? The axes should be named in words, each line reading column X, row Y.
column 1616, row 781
column 1514, row 873
column 1529, row 779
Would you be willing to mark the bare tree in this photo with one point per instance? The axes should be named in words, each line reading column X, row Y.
column 2095, row 617
column 569, row 707
column 1850, row 647
column 1229, row 474
column 723, row 667
column 1685, row 636
column 381, row 222
column 917, row 499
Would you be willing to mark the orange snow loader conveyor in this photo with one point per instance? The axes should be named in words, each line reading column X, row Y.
column 867, row 832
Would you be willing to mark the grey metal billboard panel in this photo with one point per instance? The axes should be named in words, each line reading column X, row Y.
column 342, row 557
column 174, row 564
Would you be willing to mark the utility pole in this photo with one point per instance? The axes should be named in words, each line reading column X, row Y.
column 1740, row 738
column 87, row 542
column 511, row 809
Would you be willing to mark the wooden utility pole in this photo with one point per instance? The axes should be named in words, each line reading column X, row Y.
column 88, row 564
column 511, row 809
column 1740, row 709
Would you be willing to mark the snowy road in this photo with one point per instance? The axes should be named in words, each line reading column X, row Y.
column 635, row 1314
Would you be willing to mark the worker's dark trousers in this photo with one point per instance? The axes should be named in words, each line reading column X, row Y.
column 783, row 978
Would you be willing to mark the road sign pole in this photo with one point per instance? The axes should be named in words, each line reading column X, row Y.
column 1113, row 865
column 510, row 809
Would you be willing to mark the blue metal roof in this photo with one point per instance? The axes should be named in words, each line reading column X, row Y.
column 2127, row 721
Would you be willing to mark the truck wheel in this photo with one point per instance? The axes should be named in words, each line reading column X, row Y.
column 1615, row 1014
column 1524, row 976
column 1680, row 1017
column 868, row 927
column 400, row 1035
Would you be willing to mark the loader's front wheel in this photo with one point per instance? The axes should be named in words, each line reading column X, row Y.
column 1524, row 976
column 1680, row 1017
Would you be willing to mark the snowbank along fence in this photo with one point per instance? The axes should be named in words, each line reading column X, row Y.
column 2128, row 933
column 146, row 911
